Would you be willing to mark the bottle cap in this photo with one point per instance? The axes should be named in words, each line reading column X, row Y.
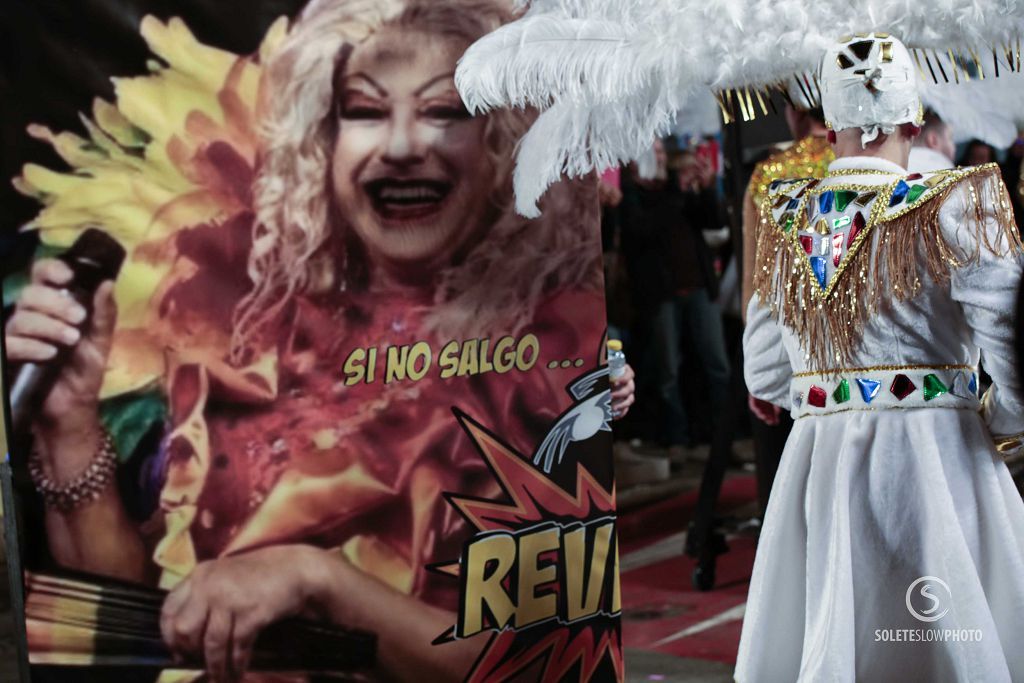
column 614, row 345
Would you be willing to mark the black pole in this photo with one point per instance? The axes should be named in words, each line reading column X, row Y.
column 15, row 575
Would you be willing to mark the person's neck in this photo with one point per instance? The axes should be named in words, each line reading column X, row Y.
column 891, row 148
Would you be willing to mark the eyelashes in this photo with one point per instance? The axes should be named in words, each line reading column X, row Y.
column 359, row 107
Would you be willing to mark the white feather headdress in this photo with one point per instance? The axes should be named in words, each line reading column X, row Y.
column 991, row 110
column 609, row 75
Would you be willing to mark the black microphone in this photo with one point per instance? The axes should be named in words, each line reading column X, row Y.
column 94, row 258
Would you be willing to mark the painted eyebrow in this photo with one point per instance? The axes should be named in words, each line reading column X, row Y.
column 372, row 83
column 433, row 81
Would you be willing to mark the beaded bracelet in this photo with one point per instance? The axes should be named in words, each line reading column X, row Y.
column 83, row 489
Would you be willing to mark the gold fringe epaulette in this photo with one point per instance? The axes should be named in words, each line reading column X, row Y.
column 826, row 296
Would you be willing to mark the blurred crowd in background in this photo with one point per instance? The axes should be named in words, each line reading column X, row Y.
column 672, row 234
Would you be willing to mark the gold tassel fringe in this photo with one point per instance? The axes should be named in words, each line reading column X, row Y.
column 907, row 248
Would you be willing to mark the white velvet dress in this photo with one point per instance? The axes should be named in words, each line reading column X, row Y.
column 877, row 491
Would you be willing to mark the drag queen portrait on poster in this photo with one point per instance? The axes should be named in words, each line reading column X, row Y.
column 277, row 463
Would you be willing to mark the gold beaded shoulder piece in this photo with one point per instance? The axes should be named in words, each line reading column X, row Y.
column 828, row 255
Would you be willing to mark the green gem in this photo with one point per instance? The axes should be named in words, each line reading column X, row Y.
column 787, row 221
column 843, row 199
column 915, row 193
column 842, row 392
column 933, row 387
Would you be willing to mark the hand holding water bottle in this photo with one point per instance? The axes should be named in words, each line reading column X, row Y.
column 621, row 375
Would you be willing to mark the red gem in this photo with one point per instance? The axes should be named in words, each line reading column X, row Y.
column 902, row 387
column 914, row 176
column 807, row 242
column 837, row 249
column 817, row 397
column 854, row 231
column 858, row 225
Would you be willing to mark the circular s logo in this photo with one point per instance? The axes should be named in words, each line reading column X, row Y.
column 928, row 598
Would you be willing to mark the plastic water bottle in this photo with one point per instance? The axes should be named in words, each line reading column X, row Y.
column 616, row 359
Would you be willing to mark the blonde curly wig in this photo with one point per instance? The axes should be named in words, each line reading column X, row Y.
column 496, row 286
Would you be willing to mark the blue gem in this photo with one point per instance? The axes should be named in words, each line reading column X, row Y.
column 793, row 203
column 774, row 184
column 825, row 201
column 868, row 389
column 972, row 386
column 899, row 194
column 818, row 266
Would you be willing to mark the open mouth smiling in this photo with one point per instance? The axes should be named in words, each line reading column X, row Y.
column 407, row 199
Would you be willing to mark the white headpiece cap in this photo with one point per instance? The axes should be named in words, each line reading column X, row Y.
column 868, row 81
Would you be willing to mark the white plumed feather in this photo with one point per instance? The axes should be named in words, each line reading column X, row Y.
column 609, row 75
column 989, row 110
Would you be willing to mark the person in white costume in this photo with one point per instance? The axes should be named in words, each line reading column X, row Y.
column 934, row 148
column 893, row 543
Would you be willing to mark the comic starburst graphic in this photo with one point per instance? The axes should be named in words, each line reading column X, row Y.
column 569, row 651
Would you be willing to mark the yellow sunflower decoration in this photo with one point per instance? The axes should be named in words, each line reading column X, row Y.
column 152, row 165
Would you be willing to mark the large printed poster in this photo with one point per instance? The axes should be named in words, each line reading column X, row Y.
column 343, row 415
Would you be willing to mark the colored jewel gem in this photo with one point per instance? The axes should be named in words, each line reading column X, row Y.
column 914, row 176
column 774, row 185
column 813, row 184
column 933, row 387
column 843, row 199
column 843, row 61
column 823, row 247
column 816, row 397
column 902, row 387
column 865, row 199
column 841, row 222
column 787, row 219
column 818, row 266
column 825, row 201
column 915, row 193
column 781, row 201
column 798, row 400
column 842, row 392
column 868, row 389
column 959, row 387
column 837, row 249
column 899, row 194
column 935, row 179
column 807, row 242
column 854, row 231
column 793, row 204
column 821, row 227
column 972, row 386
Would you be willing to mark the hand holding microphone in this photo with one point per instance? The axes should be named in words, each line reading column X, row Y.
column 59, row 337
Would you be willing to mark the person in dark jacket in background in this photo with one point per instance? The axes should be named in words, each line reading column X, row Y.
column 674, row 283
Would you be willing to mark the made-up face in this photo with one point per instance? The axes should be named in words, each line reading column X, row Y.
column 410, row 171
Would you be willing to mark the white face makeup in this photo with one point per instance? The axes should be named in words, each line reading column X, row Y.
column 410, row 169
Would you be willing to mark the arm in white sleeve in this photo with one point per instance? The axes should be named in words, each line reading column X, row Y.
column 985, row 286
column 766, row 366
